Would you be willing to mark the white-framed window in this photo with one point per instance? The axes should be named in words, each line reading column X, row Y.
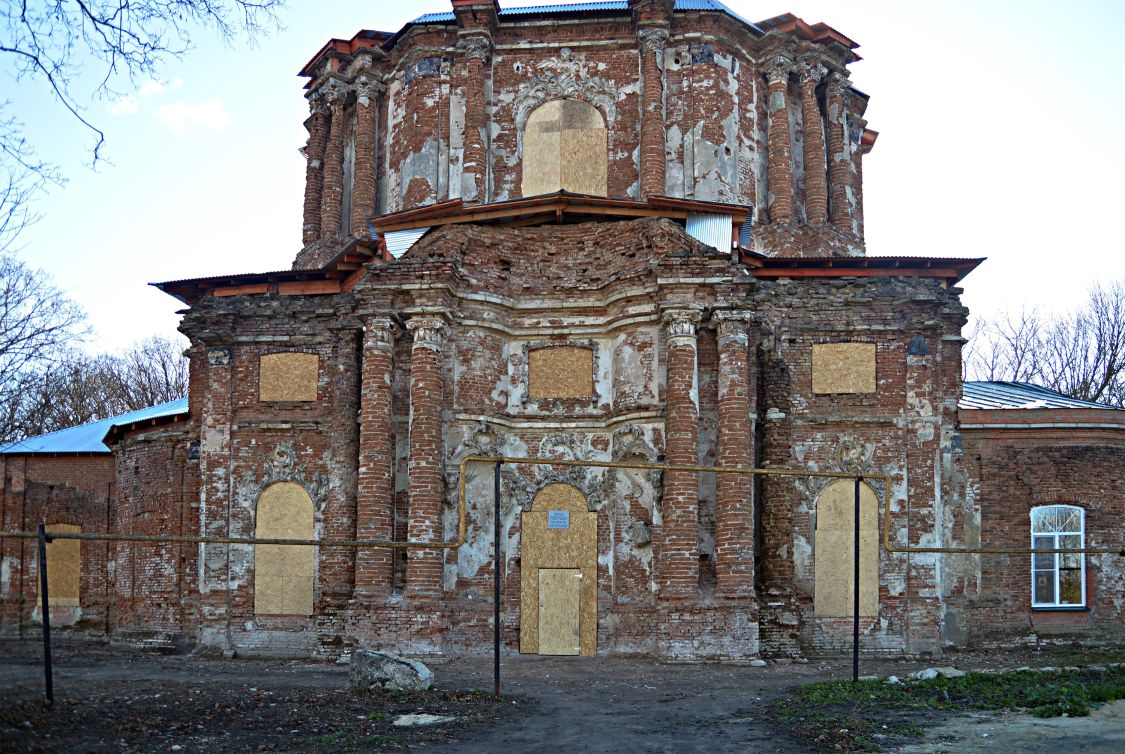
column 1058, row 579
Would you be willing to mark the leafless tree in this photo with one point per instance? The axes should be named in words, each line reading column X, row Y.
column 1081, row 353
column 78, row 388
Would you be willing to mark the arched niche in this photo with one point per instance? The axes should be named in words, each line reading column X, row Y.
column 283, row 574
column 559, row 574
column 833, row 554
column 565, row 146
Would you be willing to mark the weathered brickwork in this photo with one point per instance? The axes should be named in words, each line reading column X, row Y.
column 582, row 339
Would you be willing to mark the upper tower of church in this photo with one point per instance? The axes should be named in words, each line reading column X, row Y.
column 637, row 101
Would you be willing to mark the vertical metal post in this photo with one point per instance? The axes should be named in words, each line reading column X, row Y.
column 496, row 581
column 855, row 588
column 46, row 611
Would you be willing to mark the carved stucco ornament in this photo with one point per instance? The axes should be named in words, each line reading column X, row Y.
column 850, row 456
column 565, row 77
column 282, row 466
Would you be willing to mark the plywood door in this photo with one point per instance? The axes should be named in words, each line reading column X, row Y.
column 558, row 611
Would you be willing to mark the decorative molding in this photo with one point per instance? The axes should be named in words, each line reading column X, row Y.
column 680, row 324
column 732, row 327
column 218, row 357
column 282, row 466
column 475, row 48
column 777, row 69
column 653, row 40
column 812, row 70
column 838, row 83
column 428, row 332
column 368, row 89
column 379, row 334
column 850, row 456
column 334, row 92
column 565, row 77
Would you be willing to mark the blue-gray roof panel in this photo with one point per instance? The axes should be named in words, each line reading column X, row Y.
column 607, row 5
column 87, row 438
column 1019, row 395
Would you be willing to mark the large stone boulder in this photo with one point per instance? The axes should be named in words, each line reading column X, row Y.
column 383, row 670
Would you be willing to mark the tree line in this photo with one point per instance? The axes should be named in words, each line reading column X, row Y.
column 1080, row 353
column 48, row 382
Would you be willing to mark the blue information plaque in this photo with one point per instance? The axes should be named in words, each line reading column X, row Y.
column 558, row 519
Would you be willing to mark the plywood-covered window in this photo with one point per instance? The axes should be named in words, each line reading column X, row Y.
column 64, row 568
column 288, row 377
column 560, row 372
column 834, row 549
column 843, row 368
column 1058, row 579
column 565, row 146
column 283, row 574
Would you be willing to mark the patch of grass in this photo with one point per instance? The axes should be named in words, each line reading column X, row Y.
column 846, row 716
column 378, row 716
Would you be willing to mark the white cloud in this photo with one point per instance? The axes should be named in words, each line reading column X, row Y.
column 154, row 88
column 180, row 115
column 125, row 106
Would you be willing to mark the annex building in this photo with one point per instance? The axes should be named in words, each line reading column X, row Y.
column 616, row 231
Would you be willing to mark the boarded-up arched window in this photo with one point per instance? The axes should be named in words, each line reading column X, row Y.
column 834, row 547
column 64, row 568
column 283, row 574
column 565, row 146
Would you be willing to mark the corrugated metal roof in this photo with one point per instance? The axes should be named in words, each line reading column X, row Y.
column 87, row 438
column 400, row 241
column 608, row 5
column 1017, row 395
column 713, row 230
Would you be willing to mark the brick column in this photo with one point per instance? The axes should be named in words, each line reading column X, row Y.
column 375, row 494
column 317, row 124
column 734, row 513
column 652, row 157
column 474, row 163
column 425, row 465
column 366, row 167
column 780, row 149
column 332, row 195
column 839, row 155
column 679, row 555
column 816, row 169
column 214, row 496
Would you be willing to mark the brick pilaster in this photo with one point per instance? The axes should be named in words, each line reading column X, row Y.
column 317, row 124
column 679, row 556
column 839, row 155
column 816, row 169
column 215, row 494
column 652, row 158
column 366, row 167
column 734, row 513
column 474, row 164
column 780, row 148
column 332, row 194
column 425, row 464
column 375, row 484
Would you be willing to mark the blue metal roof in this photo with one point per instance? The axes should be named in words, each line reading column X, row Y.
column 87, row 438
column 1017, row 395
column 607, row 5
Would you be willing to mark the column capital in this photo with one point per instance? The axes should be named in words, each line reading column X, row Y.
column 837, row 84
column 379, row 333
column 367, row 88
column 777, row 69
column 428, row 330
column 681, row 323
column 475, row 47
column 334, row 92
column 811, row 70
column 318, row 105
column 653, row 39
column 731, row 325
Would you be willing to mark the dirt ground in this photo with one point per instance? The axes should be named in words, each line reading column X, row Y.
column 119, row 700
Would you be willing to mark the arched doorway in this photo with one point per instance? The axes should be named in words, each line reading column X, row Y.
column 559, row 574
column 565, row 146
column 283, row 574
column 834, row 547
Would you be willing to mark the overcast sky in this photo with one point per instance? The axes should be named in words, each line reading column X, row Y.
column 1000, row 135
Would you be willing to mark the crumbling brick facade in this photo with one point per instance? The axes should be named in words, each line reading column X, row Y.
column 650, row 325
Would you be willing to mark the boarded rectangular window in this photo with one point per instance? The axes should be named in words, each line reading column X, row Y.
column 64, row 568
column 562, row 372
column 288, row 377
column 843, row 368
